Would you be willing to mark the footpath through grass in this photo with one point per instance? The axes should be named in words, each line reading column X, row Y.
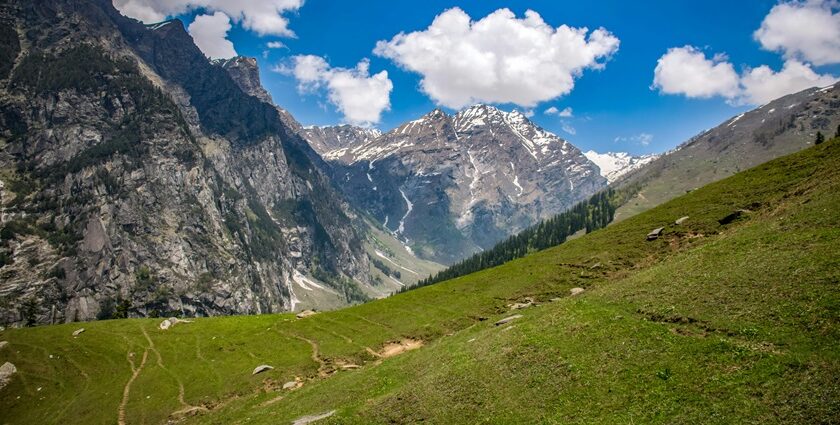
column 709, row 323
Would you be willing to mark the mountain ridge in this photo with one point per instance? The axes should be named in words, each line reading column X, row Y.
column 475, row 177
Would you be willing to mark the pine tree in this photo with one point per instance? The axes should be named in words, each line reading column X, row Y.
column 820, row 138
column 837, row 133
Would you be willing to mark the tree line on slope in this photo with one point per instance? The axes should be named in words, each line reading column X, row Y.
column 589, row 215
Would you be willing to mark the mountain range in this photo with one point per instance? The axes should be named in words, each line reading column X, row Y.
column 139, row 178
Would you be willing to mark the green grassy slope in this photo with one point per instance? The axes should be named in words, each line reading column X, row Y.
column 710, row 323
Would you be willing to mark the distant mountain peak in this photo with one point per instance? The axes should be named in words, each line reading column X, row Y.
column 449, row 185
column 613, row 165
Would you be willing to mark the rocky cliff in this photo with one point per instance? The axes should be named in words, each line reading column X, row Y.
column 138, row 179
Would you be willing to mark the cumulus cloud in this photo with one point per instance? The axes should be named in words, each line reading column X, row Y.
column 275, row 45
column 687, row 71
column 499, row 58
column 265, row 17
column 805, row 31
column 762, row 84
column 210, row 35
column 565, row 113
column 643, row 139
column 359, row 96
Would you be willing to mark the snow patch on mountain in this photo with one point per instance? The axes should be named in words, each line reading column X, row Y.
column 613, row 165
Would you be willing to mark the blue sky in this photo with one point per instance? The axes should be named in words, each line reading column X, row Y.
column 614, row 108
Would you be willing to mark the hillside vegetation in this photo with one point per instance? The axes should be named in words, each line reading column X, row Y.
column 709, row 323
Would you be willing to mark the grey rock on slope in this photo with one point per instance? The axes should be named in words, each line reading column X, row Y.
column 138, row 179
column 449, row 186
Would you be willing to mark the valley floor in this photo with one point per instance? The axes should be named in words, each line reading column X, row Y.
column 709, row 323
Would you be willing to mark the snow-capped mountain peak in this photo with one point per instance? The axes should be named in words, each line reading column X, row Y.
column 613, row 165
column 451, row 185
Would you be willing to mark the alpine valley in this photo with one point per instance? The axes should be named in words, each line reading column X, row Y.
column 177, row 248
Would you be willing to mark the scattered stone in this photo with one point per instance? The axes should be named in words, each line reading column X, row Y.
column 681, row 220
column 293, row 385
column 733, row 216
column 508, row 319
column 261, row 369
column 655, row 233
column 3, row 343
column 77, row 332
column 172, row 321
column 350, row 366
column 471, row 340
column 575, row 291
column 518, row 306
column 6, row 372
column 554, row 300
column 312, row 418
column 306, row 313
column 595, row 266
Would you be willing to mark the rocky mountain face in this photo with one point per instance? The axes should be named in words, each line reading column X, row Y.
column 783, row 126
column 334, row 142
column 139, row 179
column 449, row 186
column 613, row 165
column 246, row 74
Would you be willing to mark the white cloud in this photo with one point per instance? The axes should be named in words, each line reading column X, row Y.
column 805, row 31
column 528, row 113
column 762, row 84
column 265, row 17
column 568, row 128
column 275, row 45
column 359, row 96
column 565, row 113
column 643, row 139
column 210, row 35
column 499, row 58
column 686, row 70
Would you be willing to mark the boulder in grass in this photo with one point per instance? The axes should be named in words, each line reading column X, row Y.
column 681, row 220
column 575, row 291
column 528, row 302
column 6, row 372
column 508, row 319
column 655, row 233
column 3, row 343
column 78, row 332
column 261, row 369
column 306, row 313
column 172, row 321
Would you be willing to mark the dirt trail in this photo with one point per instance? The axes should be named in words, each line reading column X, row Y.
column 135, row 372
column 316, row 356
